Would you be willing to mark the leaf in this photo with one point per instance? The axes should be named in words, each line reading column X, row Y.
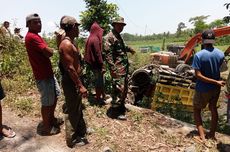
column 227, row 5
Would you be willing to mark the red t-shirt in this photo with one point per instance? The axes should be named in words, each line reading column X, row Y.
column 41, row 65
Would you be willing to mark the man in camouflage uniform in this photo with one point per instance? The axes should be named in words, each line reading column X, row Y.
column 117, row 59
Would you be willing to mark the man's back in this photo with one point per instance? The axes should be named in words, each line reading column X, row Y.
column 208, row 62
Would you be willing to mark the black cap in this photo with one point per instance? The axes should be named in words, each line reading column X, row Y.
column 208, row 37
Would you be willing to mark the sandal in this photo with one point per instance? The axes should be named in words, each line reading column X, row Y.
column 7, row 132
column 203, row 142
column 198, row 139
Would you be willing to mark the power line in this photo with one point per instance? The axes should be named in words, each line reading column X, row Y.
column 142, row 28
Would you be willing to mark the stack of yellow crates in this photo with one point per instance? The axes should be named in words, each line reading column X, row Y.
column 173, row 95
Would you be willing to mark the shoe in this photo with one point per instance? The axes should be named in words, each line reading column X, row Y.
column 58, row 122
column 108, row 99
column 100, row 102
column 78, row 141
column 7, row 132
column 122, row 117
column 53, row 131
column 115, row 105
column 81, row 141
column 89, row 131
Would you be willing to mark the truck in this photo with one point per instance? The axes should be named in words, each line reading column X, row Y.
column 169, row 73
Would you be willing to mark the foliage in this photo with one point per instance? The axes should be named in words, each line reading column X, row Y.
column 89, row 79
column 226, row 19
column 135, row 39
column 55, row 58
column 222, row 127
column 146, row 102
column 181, row 26
column 217, row 23
column 163, row 44
column 199, row 23
column 99, row 11
column 13, row 59
column 173, row 107
column 182, row 34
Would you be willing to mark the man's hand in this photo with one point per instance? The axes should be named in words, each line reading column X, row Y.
column 113, row 74
column 83, row 91
column 120, row 88
column 132, row 51
column 103, row 70
column 221, row 83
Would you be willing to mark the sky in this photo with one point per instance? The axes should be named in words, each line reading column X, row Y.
column 143, row 17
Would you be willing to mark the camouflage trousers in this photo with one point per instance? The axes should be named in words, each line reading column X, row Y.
column 227, row 90
column 74, row 122
column 119, row 95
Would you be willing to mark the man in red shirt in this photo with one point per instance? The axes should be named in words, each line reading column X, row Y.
column 39, row 54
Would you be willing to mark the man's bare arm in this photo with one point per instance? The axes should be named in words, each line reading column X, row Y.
column 48, row 52
column 200, row 76
column 67, row 59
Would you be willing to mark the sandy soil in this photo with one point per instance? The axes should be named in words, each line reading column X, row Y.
column 144, row 130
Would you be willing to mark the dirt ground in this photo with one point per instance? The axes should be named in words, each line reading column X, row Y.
column 144, row 130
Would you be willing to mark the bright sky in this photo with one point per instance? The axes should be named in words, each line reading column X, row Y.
column 142, row 16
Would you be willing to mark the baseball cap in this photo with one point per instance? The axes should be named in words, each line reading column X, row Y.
column 32, row 17
column 208, row 37
column 68, row 20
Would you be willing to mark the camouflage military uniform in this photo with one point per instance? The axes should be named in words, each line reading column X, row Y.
column 116, row 56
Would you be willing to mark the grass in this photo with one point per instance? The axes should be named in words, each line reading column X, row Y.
column 158, row 43
column 24, row 105
column 136, row 116
column 103, row 132
column 137, row 44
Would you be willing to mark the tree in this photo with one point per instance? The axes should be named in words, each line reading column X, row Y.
column 217, row 23
column 199, row 23
column 99, row 11
column 226, row 19
column 180, row 26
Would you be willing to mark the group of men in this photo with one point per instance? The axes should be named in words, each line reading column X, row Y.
column 70, row 68
column 206, row 63
column 5, row 31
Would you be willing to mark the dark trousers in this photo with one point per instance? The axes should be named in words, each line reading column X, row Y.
column 74, row 121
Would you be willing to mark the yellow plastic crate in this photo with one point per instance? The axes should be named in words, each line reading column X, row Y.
column 173, row 95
